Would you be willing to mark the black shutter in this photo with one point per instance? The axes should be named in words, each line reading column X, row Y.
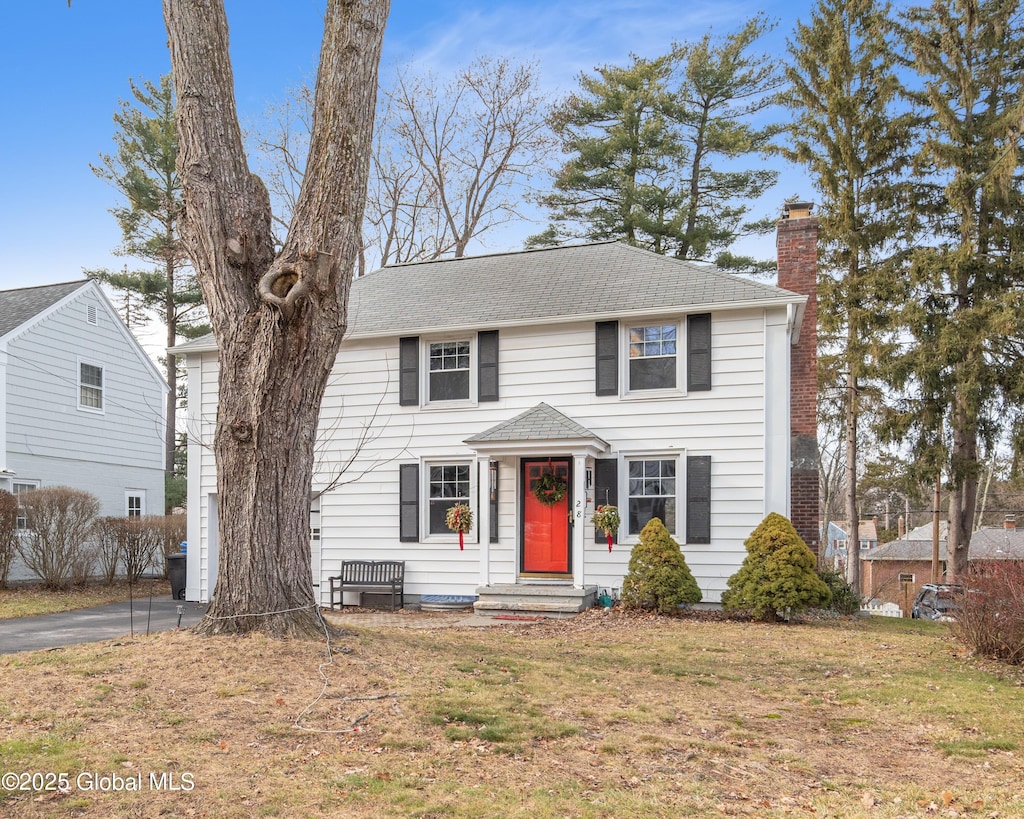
column 606, row 488
column 698, row 499
column 409, row 503
column 409, row 371
column 606, row 345
column 698, row 352
column 487, row 365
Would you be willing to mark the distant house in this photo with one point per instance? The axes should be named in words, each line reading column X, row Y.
column 838, row 536
column 667, row 388
column 81, row 404
column 896, row 571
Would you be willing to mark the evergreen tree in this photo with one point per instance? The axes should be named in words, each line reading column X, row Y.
column 847, row 133
column 777, row 574
column 143, row 170
column 658, row 576
column 649, row 144
column 962, row 300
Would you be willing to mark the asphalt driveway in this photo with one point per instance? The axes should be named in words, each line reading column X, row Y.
column 107, row 622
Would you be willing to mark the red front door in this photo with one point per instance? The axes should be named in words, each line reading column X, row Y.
column 545, row 525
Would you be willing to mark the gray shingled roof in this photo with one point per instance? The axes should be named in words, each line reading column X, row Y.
column 18, row 306
column 606, row 278
column 540, row 423
column 989, row 543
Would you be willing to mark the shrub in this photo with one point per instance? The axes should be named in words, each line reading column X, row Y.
column 844, row 599
column 8, row 533
column 55, row 544
column 777, row 575
column 990, row 615
column 658, row 576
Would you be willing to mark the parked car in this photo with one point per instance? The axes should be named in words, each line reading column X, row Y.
column 937, row 601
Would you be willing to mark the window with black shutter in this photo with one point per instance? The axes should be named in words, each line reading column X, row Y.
column 698, row 499
column 698, row 352
column 606, row 344
column 409, row 503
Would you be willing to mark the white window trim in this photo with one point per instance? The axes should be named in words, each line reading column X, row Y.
column 426, row 402
column 448, row 536
column 653, row 455
column 134, row 493
column 100, row 410
column 681, row 347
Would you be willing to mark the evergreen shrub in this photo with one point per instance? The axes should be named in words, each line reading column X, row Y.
column 658, row 576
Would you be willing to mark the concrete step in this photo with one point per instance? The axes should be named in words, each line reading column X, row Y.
column 539, row 600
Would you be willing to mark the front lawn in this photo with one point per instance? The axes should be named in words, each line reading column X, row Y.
column 607, row 715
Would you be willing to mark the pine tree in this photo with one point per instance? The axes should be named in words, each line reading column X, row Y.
column 777, row 575
column 649, row 144
column 143, row 170
column 658, row 576
column 962, row 304
column 848, row 134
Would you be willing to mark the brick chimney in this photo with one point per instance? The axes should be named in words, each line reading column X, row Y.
column 797, row 250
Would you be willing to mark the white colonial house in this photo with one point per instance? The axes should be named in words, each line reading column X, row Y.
column 81, row 404
column 657, row 385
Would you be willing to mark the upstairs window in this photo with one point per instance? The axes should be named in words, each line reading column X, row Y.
column 652, row 357
column 90, row 387
column 449, row 371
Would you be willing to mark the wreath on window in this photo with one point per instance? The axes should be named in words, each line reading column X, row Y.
column 549, row 489
column 459, row 518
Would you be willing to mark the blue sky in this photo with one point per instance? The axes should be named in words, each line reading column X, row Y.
column 65, row 69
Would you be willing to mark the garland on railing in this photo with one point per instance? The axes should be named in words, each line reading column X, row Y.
column 606, row 519
column 550, row 489
column 459, row 518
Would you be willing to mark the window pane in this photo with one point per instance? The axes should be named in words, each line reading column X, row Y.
column 90, row 391
column 652, row 373
column 450, row 385
column 652, row 493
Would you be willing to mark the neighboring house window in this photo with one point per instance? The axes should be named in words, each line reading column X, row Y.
column 448, row 485
column 135, row 503
column 652, row 493
column 17, row 488
column 449, row 371
column 449, row 366
column 90, row 386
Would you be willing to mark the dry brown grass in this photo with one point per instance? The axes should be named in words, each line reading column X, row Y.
column 604, row 716
column 26, row 601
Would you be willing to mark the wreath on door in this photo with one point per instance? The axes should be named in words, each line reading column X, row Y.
column 550, row 489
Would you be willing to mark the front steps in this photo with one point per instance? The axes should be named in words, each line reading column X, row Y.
column 513, row 600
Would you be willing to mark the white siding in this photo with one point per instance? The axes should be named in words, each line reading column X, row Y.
column 553, row 364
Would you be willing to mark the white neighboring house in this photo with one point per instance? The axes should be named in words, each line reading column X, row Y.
column 657, row 385
column 81, row 404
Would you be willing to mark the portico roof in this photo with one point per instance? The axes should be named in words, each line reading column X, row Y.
column 539, row 428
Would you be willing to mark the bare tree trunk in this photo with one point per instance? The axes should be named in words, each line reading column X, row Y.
column 278, row 321
column 964, row 495
column 852, row 518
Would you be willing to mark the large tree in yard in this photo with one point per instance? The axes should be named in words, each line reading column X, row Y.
column 278, row 317
column 963, row 374
column 847, row 131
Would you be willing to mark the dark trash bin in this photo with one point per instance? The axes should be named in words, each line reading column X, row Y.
column 176, row 573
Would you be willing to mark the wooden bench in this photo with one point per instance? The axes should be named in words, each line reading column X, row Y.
column 369, row 576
